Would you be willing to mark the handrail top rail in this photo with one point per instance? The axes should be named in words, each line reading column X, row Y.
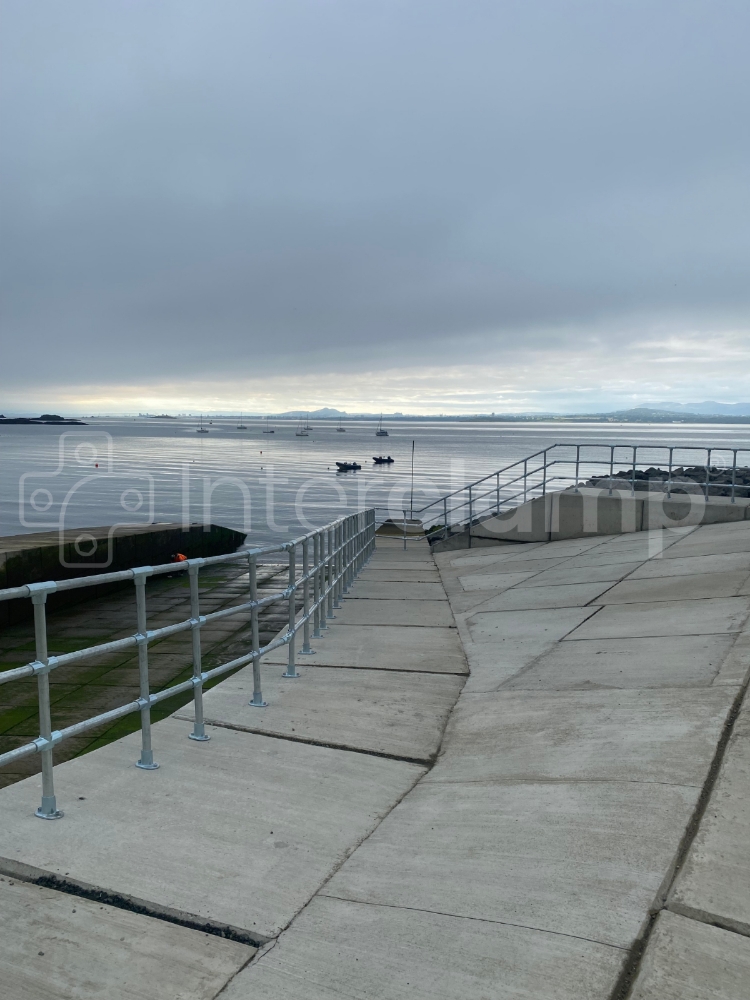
column 577, row 445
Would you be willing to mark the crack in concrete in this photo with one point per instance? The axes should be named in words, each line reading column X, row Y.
column 481, row 920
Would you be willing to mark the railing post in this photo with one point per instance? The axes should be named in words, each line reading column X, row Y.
column 578, row 467
column 734, row 471
column 471, row 514
column 48, row 808
column 316, row 584
column 257, row 699
column 332, row 535
column 341, row 561
column 291, row 670
column 306, row 650
column 338, row 536
column 497, row 486
column 199, row 729
column 611, row 466
column 445, row 518
column 669, row 480
column 346, row 555
column 632, row 477
column 146, row 762
column 708, row 473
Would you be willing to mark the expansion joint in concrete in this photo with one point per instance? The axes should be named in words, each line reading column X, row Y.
column 72, row 887
column 712, row 919
column 422, row 761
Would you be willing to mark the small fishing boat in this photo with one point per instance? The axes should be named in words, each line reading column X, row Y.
column 201, row 429
column 301, row 431
column 380, row 432
column 268, row 430
column 240, row 425
column 382, row 460
column 348, row 466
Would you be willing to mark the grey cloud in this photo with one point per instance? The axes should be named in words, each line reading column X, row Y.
column 238, row 186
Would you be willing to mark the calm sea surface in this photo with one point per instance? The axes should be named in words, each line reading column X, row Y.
column 274, row 486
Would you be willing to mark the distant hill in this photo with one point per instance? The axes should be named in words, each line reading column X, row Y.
column 709, row 407
column 325, row 413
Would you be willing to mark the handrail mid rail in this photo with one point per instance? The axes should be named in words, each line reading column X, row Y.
column 567, row 462
column 339, row 551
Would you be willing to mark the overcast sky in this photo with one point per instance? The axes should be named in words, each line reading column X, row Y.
column 424, row 205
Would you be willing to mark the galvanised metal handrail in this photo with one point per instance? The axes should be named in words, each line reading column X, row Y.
column 532, row 477
column 339, row 550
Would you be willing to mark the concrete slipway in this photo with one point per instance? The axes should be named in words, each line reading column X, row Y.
column 570, row 821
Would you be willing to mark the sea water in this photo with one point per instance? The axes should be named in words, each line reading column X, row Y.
column 134, row 471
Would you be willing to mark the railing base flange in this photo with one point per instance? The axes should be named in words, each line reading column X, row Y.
column 57, row 814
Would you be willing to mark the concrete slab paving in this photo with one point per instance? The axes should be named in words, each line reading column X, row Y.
column 665, row 736
column 341, row 949
column 464, row 603
column 585, row 859
column 392, row 590
column 734, row 670
column 688, row 960
column 499, row 644
column 666, row 618
column 728, row 562
column 551, row 625
column 714, row 884
column 566, row 574
column 494, row 553
column 371, row 574
column 241, row 830
column 614, row 556
column 383, row 711
column 386, row 613
column 682, row 587
column 396, row 555
column 492, row 581
column 571, row 595
column 702, row 545
column 63, row 947
column 686, row 661
column 399, row 647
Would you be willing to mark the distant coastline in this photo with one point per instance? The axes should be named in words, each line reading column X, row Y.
column 46, row 418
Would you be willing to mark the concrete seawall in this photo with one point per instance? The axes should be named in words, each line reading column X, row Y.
column 53, row 555
column 591, row 512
